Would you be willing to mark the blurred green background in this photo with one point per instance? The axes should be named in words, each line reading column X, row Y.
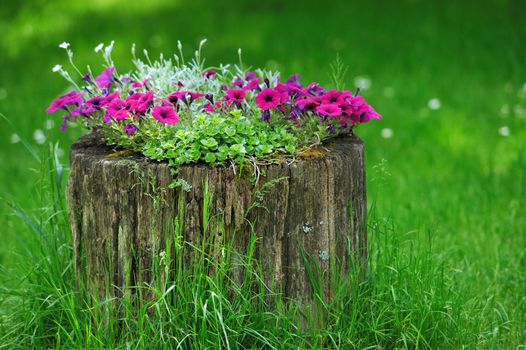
column 446, row 164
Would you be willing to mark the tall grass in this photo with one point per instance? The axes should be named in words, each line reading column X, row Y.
column 410, row 300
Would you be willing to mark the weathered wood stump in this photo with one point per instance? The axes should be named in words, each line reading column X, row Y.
column 121, row 208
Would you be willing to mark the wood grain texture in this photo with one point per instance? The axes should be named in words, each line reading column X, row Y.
column 122, row 212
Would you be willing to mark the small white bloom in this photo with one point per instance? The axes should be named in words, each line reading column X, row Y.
column 14, row 138
column 389, row 92
column 3, row 93
column 39, row 136
column 504, row 131
column 387, row 133
column 362, row 82
column 518, row 110
column 49, row 124
column 434, row 104
column 64, row 45
column 57, row 68
column 99, row 47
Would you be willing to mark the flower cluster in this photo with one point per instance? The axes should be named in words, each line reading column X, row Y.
column 159, row 99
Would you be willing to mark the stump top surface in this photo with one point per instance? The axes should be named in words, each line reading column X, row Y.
column 94, row 147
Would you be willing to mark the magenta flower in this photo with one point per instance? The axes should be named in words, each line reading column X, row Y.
column 330, row 97
column 118, row 109
column 183, row 96
column 307, row 104
column 92, row 105
column 236, row 95
column 165, row 115
column 252, row 84
column 293, row 79
column 250, row 76
column 139, row 102
column 346, row 108
column 71, row 98
column 209, row 73
column 329, row 110
column 111, row 97
column 345, row 97
column 208, row 107
column 86, row 77
column 130, row 128
column 139, row 84
column 238, row 82
column 369, row 114
column 73, row 114
column 268, row 98
column 105, row 78
column 176, row 96
column 314, row 89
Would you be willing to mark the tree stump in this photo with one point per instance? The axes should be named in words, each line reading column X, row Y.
column 317, row 208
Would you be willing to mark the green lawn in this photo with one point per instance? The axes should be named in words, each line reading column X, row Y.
column 449, row 78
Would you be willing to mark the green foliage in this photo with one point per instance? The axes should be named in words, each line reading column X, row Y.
column 214, row 139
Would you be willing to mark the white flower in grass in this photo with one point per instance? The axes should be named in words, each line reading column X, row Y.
column 14, row 138
column 504, row 131
column 99, row 47
column 39, row 136
column 64, row 45
column 49, row 124
column 362, row 82
column 57, row 68
column 434, row 104
column 387, row 133
column 519, row 111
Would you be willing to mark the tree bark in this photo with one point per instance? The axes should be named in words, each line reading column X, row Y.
column 122, row 212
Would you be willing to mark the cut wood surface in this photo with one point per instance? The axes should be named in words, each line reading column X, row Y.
column 122, row 212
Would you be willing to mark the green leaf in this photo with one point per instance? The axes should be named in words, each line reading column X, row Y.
column 210, row 143
column 210, row 157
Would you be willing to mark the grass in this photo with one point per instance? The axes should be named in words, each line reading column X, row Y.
column 447, row 192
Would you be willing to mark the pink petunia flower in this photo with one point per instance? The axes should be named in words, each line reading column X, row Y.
column 71, row 115
column 236, row 95
column 140, row 102
column 330, row 97
column 71, row 98
column 165, row 115
column 268, row 98
column 307, row 104
column 111, row 97
column 208, row 107
column 252, row 84
column 314, row 89
column 238, row 82
column 329, row 110
column 250, row 76
column 130, row 128
column 118, row 109
column 209, row 73
column 139, row 84
column 345, row 97
column 105, row 78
